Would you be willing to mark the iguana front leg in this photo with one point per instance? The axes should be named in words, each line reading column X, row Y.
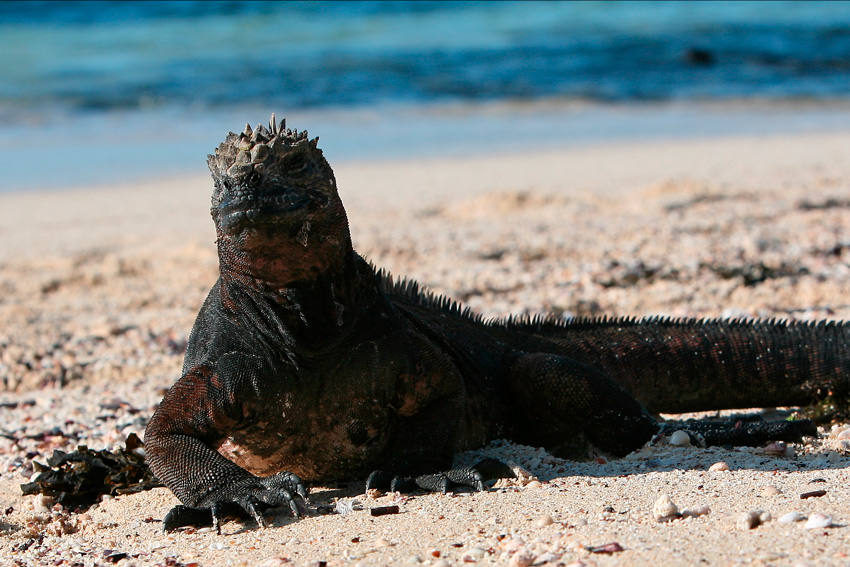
column 180, row 443
column 250, row 499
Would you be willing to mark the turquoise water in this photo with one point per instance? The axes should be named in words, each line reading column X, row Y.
column 146, row 86
column 77, row 56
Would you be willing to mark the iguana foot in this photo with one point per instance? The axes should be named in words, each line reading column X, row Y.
column 472, row 477
column 741, row 432
column 250, row 501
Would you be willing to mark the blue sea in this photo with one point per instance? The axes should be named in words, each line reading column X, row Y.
column 115, row 91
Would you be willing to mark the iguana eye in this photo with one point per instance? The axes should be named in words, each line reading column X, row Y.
column 254, row 178
column 298, row 163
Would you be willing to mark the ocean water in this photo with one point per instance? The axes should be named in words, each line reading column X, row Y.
column 117, row 90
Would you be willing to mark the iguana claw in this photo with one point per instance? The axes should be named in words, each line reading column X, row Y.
column 268, row 492
column 443, row 482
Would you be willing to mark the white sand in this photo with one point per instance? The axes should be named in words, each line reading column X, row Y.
column 98, row 290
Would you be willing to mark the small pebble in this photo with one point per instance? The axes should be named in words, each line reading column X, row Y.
column 747, row 521
column 608, row 548
column 545, row 520
column 817, row 521
column 813, row 494
column 382, row 543
column 522, row 558
column 521, row 474
column 791, row 517
column 770, row 491
column 216, row 546
column 346, row 506
column 753, row 519
column 719, row 466
column 547, row 557
column 476, row 553
column 441, row 563
column 837, row 428
column 373, row 493
column 696, row 512
column 514, row 543
column 41, row 504
column 534, row 484
column 777, row 448
column 680, row 439
column 664, row 509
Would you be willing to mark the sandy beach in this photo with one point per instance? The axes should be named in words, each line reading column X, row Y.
column 99, row 288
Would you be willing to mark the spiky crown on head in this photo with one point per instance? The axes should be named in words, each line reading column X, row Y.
column 260, row 148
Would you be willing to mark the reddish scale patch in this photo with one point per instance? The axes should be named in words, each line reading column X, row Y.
column 200, row 388
column 318, row 452
column 421, row 391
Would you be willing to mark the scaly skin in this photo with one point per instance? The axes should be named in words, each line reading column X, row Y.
column 307, row 363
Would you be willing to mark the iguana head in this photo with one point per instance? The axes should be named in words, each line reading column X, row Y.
column 275, row 205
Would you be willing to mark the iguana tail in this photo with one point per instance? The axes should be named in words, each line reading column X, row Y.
column 676, row 365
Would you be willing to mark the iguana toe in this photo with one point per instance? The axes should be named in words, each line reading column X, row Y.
column 737, row 432
column 254, row 499
column 473, row 477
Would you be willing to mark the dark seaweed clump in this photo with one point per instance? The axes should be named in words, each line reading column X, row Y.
column 78, row 479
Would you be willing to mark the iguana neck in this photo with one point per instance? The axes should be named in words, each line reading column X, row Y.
column 314, row 299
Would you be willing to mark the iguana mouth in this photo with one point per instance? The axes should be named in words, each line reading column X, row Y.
column 235, row 214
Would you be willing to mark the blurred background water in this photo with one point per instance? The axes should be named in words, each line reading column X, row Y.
column 95, row 92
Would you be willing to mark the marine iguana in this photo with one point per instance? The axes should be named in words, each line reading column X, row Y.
column 307, row 362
